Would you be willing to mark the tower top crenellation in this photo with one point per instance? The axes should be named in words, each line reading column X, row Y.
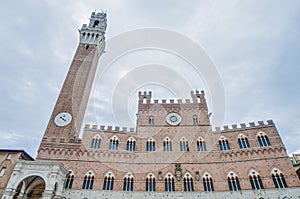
column 93, row 33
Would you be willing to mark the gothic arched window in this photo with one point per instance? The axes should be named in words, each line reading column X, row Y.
column 255, row 180
column 243, row 142
column 169, row 183
column 184, row 144
column 263, row 139
column 108, row 183
column 150, row 182
column 224, row 144
column 96, row 141
column 207, row 182
column 150, row 145
column 114, row 143
column 278, row 179
column 201, row 146
column 233, row 182
column 130, row 144
column 167, row 144
column 128, row 182
column 188, row 183
column 69, row 180
column 88, row 180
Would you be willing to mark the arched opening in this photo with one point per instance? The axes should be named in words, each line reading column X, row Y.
column 96, row 23
column 31, row 187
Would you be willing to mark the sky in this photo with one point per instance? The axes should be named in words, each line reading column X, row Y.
column 254, row 46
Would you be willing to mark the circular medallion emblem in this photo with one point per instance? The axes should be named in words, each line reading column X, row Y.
column 173, row 119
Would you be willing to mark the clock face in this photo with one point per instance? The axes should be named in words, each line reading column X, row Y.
column 173, row 119
column 63, row 119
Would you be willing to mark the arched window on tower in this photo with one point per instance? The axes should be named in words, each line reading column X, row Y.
column 88, row 180
column 69, row 180
column 114, row 143
column 278, row 179
column 96, row 141
column 184, row 144
column 201, row 146
column 188, row 183
column 150, row 145
column 224, row 144
column 96, row 23
column 255, row 180
column 108, row 183
column 243, row 142
column 150, row 182
column 167, row 144
column 130, row 144
column 207, row 182
column 128, row 182
column 233, row 182
column 169, row 183
column 263, row 139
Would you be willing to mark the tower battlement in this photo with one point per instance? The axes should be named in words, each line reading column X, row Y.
column 196, row 97
column 243, row 126
column 93, row 33
column 197, row 100
column 112, row 129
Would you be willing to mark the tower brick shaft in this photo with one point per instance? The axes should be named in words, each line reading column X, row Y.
column 66, row 120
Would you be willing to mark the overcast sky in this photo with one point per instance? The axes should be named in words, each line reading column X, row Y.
column 254, row 45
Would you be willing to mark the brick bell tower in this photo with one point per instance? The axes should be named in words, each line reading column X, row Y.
column 65, row 122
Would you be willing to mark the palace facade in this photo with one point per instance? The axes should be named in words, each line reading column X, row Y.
column 173, row 152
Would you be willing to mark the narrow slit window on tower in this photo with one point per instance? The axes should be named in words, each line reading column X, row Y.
column 87, row 46
column 195, row 120
column 151, row 120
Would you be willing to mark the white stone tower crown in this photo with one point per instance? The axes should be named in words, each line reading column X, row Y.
column 94, row 32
